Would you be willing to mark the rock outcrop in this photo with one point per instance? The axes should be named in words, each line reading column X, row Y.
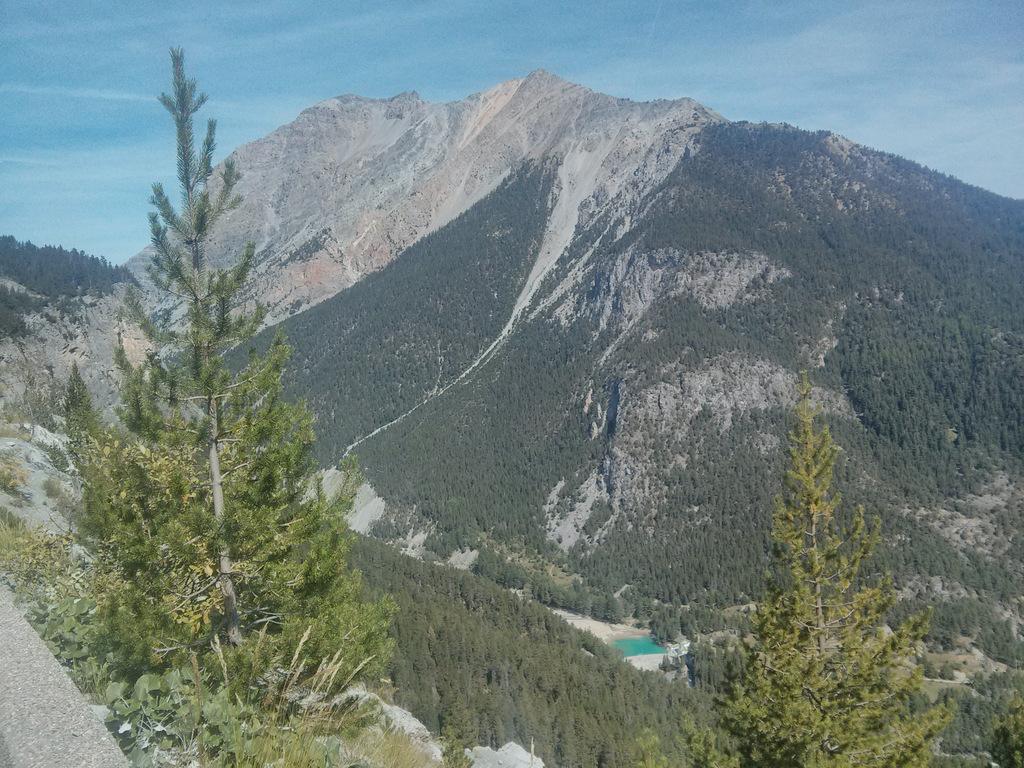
column 46, row 494
column 509, row 756
column 86, row 334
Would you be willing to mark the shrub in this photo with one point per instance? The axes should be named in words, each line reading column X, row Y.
column 195, row 712
column 12, row 475
column 52, row 488
column 56, row 455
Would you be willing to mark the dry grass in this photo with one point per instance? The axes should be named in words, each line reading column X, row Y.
column 15, row 431
column 305, row 726
column 12, row 475
column 388, row 749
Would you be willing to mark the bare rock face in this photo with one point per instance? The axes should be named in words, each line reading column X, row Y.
column 980, row 523
column 509, row 756
column 344, row 188
column 638, row 278
column 86, row 336
column 655, row 432
column 565, row 522
column 401, row 720
column 658, row 418
column 45, row 495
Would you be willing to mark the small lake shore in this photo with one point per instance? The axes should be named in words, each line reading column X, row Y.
column 605, row 631
column 609, row 633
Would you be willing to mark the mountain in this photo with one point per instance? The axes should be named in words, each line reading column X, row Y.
column 563, row 330
column 592, row 364
column 348, row 185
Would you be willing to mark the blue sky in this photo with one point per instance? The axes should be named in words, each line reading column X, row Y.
column 82, row 137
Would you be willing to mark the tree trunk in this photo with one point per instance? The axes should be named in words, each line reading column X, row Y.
column 227, row 585
column 819, row 609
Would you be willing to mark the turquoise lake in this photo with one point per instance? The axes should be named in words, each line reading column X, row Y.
column 638, row 646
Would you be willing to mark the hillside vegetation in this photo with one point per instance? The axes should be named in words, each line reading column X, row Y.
column 641, row 406
column 46, row 274
column 508, row 669
column 378, row 349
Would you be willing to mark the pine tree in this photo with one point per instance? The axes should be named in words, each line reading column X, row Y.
column 80, row 419
column 1008, row 740
column 206, row 513
column 454, row 746
column 826, row 683
column 648, row 752
column 200, row 385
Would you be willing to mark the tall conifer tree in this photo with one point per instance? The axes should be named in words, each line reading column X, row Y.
column 80, row 419
column 207, row 514
column 826, row 682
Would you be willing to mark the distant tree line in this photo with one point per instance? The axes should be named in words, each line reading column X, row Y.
column 52, row 273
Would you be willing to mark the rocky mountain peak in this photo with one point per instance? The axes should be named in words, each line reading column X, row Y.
column 543, row 80
column 340, row 191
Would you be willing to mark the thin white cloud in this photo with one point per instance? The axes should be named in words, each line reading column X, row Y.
column 16, row 160
column 102, row 94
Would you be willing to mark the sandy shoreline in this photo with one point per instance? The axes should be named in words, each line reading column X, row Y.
column 608, row 633
column 602, row 630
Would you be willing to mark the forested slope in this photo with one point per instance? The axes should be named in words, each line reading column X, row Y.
column 509, row 669
column 629, row 428
column 47, row 274
column 376, row 350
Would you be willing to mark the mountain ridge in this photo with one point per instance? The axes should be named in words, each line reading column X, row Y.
column 627, row 419
column 426, row 163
